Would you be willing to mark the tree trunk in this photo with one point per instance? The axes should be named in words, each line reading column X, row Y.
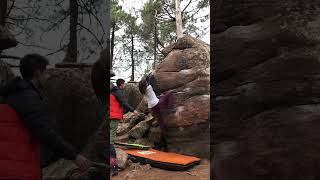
column 178, row 19
column 107, row 51
column 112, row 43
column 132, row 59
column 3, row 12
column 72, row 52
column 155, row 41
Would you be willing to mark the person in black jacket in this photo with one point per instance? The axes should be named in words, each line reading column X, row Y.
column 23, row 95
column 117, row 91
column 118, row 107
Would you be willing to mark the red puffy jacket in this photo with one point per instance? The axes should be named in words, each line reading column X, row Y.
column 116, row 111
column 19, row 152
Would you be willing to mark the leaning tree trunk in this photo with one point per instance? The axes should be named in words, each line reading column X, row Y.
column 112, row 43
column 132, row 59
column 3, row 12
column 178, row 19
column 72, row 52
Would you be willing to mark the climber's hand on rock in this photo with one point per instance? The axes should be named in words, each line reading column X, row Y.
column 82, row 162
column 136, row 113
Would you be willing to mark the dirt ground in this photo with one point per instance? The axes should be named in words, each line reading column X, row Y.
column 137, row 172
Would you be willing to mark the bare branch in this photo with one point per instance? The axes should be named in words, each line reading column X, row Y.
column 86, row 8
column 186, row 7
column 64, row 34
column 160, row 50
column 29, row 18
column 61, row 49
column 21, row 9
column 91, row 34
column 94, row 7
column 81, row 12
column 203, row 2
column 162, row 18
column 169, row 14
column 55, row 24
column 93, row 14
column 12, row 5
column 59, row 3
column 58, row 22
column 22, row 28
column 32, row 45
column 160, row 43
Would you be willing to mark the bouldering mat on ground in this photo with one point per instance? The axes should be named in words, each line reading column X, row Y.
column 163, row 160
column 132, row 146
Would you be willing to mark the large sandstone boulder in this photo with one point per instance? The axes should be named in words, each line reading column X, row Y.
column 96, row 150
column 132, row 94
column 186, row 71
column 267, row 92
column 72, row 105
column 230, row 13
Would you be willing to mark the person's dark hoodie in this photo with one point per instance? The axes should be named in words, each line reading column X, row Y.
column 117, row 92
column 26, row 100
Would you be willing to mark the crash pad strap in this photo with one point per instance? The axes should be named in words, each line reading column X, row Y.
column 155, row 155
column 133, row 146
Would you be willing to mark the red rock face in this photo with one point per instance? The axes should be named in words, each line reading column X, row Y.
column 172, row 80
column 185, row 70
column 194, row 110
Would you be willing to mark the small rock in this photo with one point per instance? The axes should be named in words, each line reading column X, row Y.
column 139, row 130
column 129, row 163
column 123, row 138
column 149, row 119
column 143, row 106
column 134, row 120
column 122, row 158
column 127, row 117
column 123, row 128
column 146, row 167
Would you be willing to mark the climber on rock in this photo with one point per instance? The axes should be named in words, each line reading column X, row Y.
column 25, row 125
column 159, row 106
column 118, row 107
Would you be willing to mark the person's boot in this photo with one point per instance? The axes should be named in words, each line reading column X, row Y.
column 157, row 146
column 161, row 145
column 164, row 145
